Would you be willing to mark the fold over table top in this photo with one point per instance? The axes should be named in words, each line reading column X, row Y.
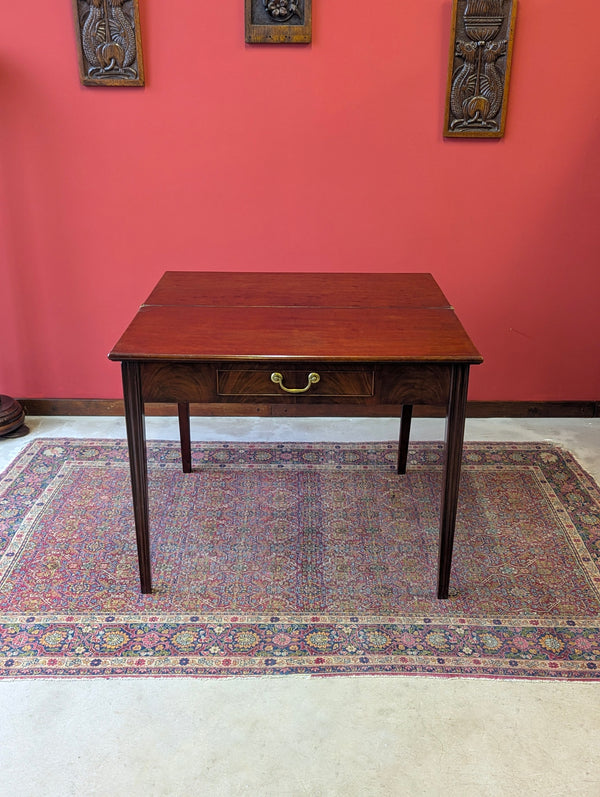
column 321, row 317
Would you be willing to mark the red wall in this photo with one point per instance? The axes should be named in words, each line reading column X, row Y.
column 327, row 156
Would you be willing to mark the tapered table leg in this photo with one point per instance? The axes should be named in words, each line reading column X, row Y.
column 183, row 410
column 404, row 437
column 136, row 440
column 455, row 428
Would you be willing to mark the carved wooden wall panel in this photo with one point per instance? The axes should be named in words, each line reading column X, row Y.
column 109, row 42
column 479, row 71
column 278, row 21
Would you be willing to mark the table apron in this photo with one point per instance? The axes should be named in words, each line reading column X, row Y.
column 358, row 384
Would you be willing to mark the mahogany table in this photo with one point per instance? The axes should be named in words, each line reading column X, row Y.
column 296, row 344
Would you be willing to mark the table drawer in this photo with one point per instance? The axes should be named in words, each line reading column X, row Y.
column 367, row 384
column 296, row 382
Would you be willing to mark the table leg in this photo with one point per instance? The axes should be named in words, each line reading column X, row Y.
column 183, row 410
column 455, row 427
column 136, row 440
column 404, row 437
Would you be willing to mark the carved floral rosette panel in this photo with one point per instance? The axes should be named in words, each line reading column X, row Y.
column 109, row 42
column 278, row 21
column 479, row 71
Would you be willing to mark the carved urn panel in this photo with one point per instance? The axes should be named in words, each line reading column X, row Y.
column 278, row 21
column 109, row 42
column 479, row 70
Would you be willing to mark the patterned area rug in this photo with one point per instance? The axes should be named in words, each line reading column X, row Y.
column 298, row 558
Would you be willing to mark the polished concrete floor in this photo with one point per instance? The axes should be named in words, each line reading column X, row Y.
column 297, row 735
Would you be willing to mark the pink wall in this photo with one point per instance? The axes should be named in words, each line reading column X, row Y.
column 327, row 156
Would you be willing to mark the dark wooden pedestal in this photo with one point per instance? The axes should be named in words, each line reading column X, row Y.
column 12, row 417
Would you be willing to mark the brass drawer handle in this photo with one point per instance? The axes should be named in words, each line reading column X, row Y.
column 313, row 378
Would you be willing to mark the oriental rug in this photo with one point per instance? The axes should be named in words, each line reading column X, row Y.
column 298, row 558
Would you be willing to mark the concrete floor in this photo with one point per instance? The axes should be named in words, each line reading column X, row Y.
column 296, row 735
